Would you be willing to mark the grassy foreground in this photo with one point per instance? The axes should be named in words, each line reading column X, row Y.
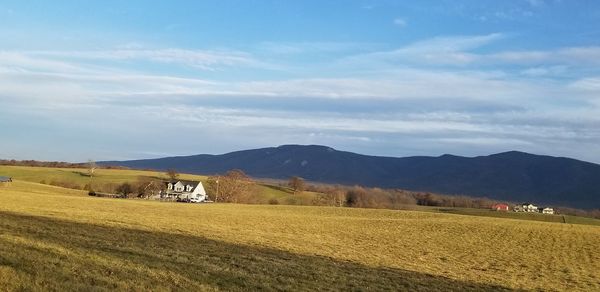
column 56, row 239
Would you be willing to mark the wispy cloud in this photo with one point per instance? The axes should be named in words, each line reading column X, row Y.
column 303, row 48
column 569, row 55
column 205, row 59
column 400, row 22
column 464, row 51
column 438, row 50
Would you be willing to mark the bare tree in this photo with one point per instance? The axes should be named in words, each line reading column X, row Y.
column 172, row 174
column 91, row 167
column 297, row 184
column 336, row 196
column 235, row 186
column 148, row 187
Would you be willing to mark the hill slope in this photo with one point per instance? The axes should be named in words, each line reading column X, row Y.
column 512, row 175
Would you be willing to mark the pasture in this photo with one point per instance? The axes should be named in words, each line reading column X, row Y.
column 55, row 239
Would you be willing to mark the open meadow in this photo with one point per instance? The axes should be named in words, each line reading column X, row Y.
column 55, row 239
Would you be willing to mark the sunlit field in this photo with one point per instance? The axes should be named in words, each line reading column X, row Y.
column 53, row 239
column 78, row 177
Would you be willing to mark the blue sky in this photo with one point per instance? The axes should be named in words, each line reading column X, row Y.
column 138, row 79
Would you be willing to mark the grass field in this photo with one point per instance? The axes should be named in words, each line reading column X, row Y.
column 47, row 175
column 56, row 239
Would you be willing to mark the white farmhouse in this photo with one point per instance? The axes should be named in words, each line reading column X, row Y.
column 190, row 191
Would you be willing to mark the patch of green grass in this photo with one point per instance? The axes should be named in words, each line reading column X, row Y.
column 57, row 239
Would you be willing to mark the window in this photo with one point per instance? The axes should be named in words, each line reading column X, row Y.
column 170, row 186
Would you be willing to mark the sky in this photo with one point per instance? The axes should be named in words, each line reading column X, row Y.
column 108, row 80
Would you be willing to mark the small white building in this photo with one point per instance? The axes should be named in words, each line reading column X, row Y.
column 189, row 191
column 548, row 210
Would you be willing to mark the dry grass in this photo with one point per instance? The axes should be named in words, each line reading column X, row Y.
column 52, row 238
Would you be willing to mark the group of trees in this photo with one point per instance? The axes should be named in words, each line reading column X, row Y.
column 362, row 197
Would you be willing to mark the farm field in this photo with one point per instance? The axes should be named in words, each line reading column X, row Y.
column 54, row 239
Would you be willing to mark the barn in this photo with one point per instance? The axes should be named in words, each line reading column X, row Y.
column 500, row 207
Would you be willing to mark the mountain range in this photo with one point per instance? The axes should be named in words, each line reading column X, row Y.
column 512, row 176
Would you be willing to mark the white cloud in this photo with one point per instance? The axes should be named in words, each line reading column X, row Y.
column 400, row 22
column 589, row 84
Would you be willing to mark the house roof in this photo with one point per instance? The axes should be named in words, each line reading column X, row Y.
column 5, row 179
column 185, row 182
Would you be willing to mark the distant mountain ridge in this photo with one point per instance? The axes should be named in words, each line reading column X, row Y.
column 515, row 176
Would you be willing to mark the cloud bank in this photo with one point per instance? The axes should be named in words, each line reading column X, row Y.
column 440, row 95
